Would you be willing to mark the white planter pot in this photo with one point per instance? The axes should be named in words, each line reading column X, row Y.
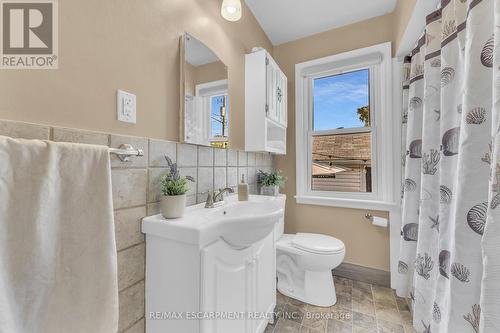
column 270, row 190
column 172, row 206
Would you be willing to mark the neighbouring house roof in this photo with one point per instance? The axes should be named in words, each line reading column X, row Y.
column 354, row 149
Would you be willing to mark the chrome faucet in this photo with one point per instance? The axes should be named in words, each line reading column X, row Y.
column 216, row 197
column 220, row 196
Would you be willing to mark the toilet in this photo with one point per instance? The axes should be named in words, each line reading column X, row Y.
column 304, row 264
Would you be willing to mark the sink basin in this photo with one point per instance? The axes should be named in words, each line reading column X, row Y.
column 244, row 223
column 239, row 224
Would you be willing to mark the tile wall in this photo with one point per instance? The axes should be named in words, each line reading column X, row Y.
column 136, row 193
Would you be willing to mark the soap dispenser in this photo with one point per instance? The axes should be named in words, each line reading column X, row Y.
column 243, row 190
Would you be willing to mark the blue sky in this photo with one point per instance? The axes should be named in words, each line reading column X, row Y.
column 216, row 104
column 337, row 98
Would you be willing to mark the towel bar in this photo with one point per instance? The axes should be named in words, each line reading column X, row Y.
column 125, row 151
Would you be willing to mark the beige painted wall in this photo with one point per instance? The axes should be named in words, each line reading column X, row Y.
column 203, row 74
column 366, row 245
column 401, row 16
column 131, row 45
column 211, row 72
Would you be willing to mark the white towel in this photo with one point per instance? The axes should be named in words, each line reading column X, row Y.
column 57, row 243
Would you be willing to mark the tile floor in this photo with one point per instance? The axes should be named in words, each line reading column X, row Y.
column 360, row 308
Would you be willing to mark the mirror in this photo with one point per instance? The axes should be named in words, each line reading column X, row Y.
column 204, row 114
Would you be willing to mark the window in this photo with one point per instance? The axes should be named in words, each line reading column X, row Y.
column 345, row 130
column 212, row 114
column 341, row 136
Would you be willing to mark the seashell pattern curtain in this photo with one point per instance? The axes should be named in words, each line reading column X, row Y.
column 450, row 239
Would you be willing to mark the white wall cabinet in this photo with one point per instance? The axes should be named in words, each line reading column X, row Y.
column 265, row 104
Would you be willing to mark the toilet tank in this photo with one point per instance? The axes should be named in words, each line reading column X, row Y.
column 279, row 229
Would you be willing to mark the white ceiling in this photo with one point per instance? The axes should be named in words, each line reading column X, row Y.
column 287, row 20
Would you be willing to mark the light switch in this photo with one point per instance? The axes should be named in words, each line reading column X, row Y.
column 126, row 106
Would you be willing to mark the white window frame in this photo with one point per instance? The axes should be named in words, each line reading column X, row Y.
column 206, row 91
column 378, row 59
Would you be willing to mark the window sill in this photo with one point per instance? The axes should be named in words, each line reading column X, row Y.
column 345, row 203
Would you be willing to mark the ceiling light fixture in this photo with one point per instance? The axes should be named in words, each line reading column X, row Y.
column 231, row 10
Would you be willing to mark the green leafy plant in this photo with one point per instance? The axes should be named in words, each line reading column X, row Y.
column 273, row 178
column 364, row 115
column 172, row 183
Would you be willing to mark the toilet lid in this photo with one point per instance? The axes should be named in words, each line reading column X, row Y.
column 317, row 243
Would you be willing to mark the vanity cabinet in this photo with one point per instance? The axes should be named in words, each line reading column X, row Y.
column 265, row 104
column 191, row 277
column 236, row 281
column 265, row 283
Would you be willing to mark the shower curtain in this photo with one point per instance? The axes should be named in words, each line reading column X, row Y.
column 450, row 238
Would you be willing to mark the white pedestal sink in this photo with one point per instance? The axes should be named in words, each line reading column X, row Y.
column 214, row 270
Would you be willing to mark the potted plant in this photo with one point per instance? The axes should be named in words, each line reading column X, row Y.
column 173, row 188
column 270, row 182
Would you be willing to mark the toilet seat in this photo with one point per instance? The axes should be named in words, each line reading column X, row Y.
column 317, row 243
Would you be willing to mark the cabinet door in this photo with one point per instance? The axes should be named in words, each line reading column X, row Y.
column 283, row 100
column 227, row 287
column 265, row 279
column 272, row 77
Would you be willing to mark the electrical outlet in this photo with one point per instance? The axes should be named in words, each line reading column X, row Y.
column 126, row 106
